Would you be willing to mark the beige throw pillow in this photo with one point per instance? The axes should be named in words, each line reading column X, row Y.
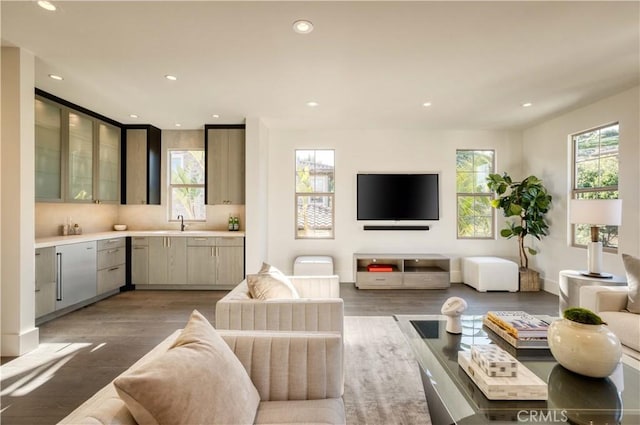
column 632, row 267
column 270, row 284
column 197, row 381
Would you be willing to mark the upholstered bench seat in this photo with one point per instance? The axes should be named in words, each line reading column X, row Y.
column 490, row 274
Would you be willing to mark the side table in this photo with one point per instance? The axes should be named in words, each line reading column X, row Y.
column 570, row 282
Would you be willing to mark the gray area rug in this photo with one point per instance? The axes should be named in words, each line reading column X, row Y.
column 382, row 379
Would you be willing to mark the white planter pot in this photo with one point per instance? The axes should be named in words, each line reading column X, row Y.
column 590, row 350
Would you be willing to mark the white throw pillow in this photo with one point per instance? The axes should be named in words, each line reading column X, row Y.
column 199, row 380
column 270, row 284
column 632, row 267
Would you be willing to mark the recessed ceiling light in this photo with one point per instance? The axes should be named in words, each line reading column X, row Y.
column 178, row 125
column 302, row 26
column 47, row 5
column 527, row 104
column 215, row 116
column 56, row 77
column 171, row 77
column 133, row 116
column 426, row 104
column 312, row 104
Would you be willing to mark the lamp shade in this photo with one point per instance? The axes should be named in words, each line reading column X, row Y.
column 596, row 211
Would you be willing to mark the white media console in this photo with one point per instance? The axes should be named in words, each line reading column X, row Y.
column 408, row 271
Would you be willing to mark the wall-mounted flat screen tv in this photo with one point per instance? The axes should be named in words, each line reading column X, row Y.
column 399, row 197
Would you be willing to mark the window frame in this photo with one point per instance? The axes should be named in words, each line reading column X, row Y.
column 330, row 195
column 171, row 186
column 488, row 194
column 575, row 192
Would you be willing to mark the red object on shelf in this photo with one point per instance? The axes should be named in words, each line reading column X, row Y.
column 380, row 268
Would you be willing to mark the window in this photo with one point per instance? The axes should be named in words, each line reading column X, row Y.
column 186, row 184
column 475, row 215
column 595, row 176
column 315, row 187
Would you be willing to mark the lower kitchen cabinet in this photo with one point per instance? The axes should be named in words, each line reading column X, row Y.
column 215, row 261
column 111, row 265
column 167, row 260
column 45, row 300
column 139, row 260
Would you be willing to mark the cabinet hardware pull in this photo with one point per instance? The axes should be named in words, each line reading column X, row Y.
column 114, row 268
column 138, row 247
column 59, row 277
column 37, row 290
column 37, row 253
column 89, row 247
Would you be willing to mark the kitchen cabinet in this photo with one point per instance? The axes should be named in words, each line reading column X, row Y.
column 45, row 299
column 167, row 260
column 108, row 163
column 111, row 265
column 139, row 260
column 215, row 261
column 77, row 154
column 225, row 159
column 48, row 151
column 141, row 172
column 75, row 273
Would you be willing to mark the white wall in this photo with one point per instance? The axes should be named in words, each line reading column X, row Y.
column 19, row 334
column 547, row 154
column 256, row 178
column 393, row 150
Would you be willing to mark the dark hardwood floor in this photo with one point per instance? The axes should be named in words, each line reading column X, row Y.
column 84, row 350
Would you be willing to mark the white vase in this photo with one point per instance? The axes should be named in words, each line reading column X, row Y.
column 590, row 350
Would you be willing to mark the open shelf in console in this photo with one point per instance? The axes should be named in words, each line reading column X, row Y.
column 410, row 271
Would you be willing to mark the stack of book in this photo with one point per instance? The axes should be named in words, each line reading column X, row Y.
column 518, row 328
column 500, row 376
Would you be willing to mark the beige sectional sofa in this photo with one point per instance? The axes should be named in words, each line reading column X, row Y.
column 610, row 302
column 306, row 387
column 319, row 308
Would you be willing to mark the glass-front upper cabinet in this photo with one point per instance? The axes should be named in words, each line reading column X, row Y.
column 109, row 163
column 80, row 157
column 48, row 151
column 77, row 155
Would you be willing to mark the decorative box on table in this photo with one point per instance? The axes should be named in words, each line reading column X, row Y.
column 494, row 361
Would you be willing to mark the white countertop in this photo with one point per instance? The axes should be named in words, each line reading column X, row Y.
column 88, row 237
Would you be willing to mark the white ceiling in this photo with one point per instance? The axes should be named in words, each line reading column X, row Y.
column 367, row 64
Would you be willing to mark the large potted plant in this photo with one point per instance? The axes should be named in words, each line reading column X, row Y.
column 528, row 202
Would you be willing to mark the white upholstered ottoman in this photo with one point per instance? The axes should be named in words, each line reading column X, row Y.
column 490, row 274
column 313, row 265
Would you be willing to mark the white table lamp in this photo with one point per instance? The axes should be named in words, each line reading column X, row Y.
column 595, row 212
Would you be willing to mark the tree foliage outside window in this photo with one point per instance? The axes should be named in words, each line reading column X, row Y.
column 186, row 184
column 475, row 215
column 315, row 188
column 595, row 176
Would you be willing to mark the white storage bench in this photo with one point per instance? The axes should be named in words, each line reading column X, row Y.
column 490, row 274
column 313, row 265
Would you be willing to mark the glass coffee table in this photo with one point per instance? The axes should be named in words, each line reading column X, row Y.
column 453, row 398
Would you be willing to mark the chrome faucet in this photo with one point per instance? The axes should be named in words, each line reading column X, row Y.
column 182, row 226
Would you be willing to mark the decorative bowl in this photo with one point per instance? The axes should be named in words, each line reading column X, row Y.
column 119, row 227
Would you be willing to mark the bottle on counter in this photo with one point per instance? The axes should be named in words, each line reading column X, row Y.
column 230, row 222
column 236, row 223
column 77, row 230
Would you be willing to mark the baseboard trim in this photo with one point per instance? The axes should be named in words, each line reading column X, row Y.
column 14, row 345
